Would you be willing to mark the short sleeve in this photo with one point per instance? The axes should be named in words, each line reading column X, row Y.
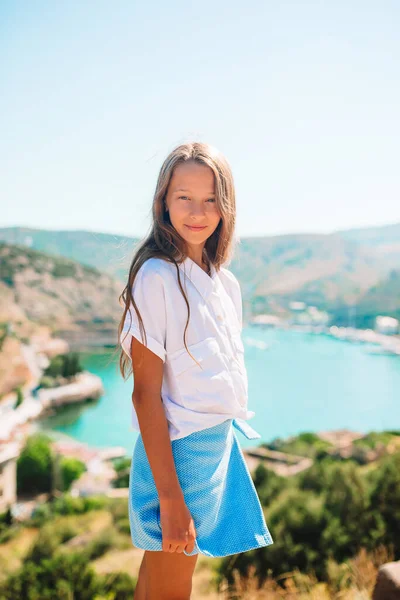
column 148, row 293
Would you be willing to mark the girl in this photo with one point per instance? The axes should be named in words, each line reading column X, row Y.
column 190, row 490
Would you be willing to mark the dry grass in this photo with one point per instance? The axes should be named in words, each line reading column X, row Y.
column 13, row 551
column 352, row 580
column 119, row 560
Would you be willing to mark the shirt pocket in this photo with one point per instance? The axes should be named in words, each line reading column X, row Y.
column 207, row 386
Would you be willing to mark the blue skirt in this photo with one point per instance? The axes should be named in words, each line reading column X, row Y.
column 217, row 487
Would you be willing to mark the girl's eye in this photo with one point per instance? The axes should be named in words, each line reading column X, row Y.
column 187, row 198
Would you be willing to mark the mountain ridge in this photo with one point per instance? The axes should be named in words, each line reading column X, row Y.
column 330, row 270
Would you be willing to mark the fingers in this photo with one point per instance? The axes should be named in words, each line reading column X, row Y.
column 192, row 537
column 178, row 547
column 189, row 547
column 180, row 543
column 175, row 548
column 172, row 547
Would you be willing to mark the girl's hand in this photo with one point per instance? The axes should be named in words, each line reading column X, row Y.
column 178, row 530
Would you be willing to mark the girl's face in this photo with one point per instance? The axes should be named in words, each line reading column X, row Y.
column 191, row 203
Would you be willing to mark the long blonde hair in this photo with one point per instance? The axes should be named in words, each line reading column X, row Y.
column 164, row 241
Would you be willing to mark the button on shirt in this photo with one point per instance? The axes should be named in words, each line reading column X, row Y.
column 195, row 396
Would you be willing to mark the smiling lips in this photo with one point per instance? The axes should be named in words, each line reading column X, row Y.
column 193, row 228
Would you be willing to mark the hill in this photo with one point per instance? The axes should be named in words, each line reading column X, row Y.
column 384, row 241
column 108, row 253
column 331, row 271
column 317, row 269
column 381, row 299
column 56, row 292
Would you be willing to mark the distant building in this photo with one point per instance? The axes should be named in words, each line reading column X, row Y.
column 8, row 474
column 386, row 325
column 266, row 320
column 297, row 306
column 307, row 315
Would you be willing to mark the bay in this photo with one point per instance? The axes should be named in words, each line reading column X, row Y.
column 298, row 382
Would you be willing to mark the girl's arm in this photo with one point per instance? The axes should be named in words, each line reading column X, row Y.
column 178, row 530
column 153, row 423
column 177, row 525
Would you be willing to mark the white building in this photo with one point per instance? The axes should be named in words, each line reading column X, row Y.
column 8, row 474
column 266, row 320
column 309, row 315
column 386, row 325
column 297, row 306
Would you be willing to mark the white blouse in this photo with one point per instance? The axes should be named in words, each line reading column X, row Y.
column 195, row 396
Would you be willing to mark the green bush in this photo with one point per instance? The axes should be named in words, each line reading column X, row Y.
column 69, row 505
column 41, row 514
column 35, row 465
column 118, row 508
column 319, row 476
column 119, row 586
column 122, row 467
column 123, row 525
column 6, row 517
column 122, row 464
column 47, row 382
column 304, row 444
column 66, row 531
column 64, row 365
column 45, row 545
column 20, row 396
column 95, row 502
column 71, row 469
column 55, row 368
column 8, row 532
column 3, row 334
column 48, row 572
column 63, row 576
column 268, row 484
column 61, row 270
column 327, row 513
column 385, row 498
column 105, row 540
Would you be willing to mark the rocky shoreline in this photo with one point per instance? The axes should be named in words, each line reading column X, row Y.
column 86, row 386
column 38, row 401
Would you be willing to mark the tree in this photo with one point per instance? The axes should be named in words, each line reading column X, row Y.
column 34, row 465
column 385, row 498
column 71, row 469
column 348, row 512
column 65, row 365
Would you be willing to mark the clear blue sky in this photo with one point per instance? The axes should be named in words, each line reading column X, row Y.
column 302, row 97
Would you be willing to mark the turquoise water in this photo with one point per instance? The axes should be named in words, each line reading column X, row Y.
column 299, row 382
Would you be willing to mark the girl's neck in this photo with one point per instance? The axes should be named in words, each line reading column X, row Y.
column 201, row 260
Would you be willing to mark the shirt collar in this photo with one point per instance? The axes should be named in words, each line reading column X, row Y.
column 204, row 283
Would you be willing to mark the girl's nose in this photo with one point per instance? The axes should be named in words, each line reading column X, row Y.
column 197, row 210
